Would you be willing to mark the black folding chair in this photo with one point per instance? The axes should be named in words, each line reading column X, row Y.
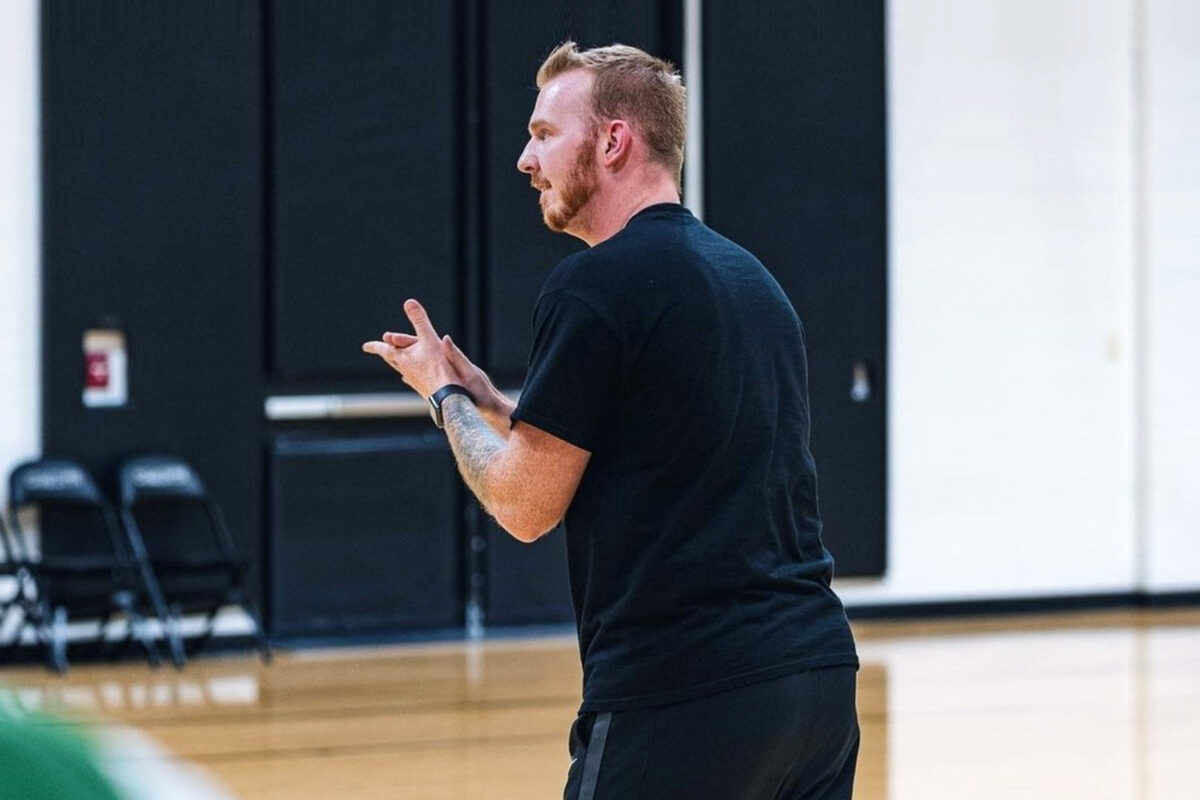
column 168, row 511
column 83, row 566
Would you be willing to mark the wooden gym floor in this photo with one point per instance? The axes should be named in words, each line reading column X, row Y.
column 1095, row 706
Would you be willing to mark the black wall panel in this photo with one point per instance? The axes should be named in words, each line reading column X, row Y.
column 364, row 132
column 364, row 533
column 795, row 170
column 520, row 250
column 152, row 164
column 527, row 583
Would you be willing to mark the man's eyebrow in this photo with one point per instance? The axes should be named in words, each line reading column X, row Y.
column 535, row 124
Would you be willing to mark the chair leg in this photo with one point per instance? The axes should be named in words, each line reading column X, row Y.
column 15, row 640
column 125, row 601
column 260, row 637
column 111, row 649
column 57, row 650
column 174, row 625
column 12, row 643
column 169, row 621
column 260, row 634
column 25, row 604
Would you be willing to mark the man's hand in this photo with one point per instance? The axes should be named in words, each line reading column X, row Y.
column 420, row 359
column 491, row 402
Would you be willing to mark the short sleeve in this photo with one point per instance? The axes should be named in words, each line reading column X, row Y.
column 571, row 384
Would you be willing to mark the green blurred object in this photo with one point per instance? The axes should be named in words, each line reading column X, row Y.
column 42, row 758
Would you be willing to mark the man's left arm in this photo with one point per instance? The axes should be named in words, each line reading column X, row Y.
column 526, row 482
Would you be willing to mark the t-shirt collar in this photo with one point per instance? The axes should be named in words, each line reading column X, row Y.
column 671, row 208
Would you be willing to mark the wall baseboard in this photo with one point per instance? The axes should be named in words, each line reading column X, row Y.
column 1022, row 605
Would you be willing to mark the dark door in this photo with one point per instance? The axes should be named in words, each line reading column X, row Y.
column 364, row 135
column 794, row 164
column 363, row 122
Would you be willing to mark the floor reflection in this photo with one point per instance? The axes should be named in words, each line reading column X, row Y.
column 113, row 697
column 1093, row 713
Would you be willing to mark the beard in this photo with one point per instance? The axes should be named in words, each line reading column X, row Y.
column 574, row 192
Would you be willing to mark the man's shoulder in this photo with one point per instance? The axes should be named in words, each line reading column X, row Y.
column 591, row 273
column 650, row 264
column 564, row 272
column 580, row 281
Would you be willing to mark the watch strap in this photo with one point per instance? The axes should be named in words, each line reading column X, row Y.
column 437, row 398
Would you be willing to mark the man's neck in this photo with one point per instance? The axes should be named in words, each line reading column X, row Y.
column 610, row 215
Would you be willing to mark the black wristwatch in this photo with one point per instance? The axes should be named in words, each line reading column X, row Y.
column 437, row 398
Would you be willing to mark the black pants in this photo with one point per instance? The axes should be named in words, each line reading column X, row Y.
column 791, row 738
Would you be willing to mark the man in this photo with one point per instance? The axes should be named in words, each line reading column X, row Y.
column 665, row 420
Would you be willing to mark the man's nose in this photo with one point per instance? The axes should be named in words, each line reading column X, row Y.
column 527, row 163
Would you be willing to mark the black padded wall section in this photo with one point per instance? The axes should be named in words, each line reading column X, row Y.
column 520, row 250
column 365, row 533
column 794, row 164
column 364, row 137
column 152, row 164
column 527, row 582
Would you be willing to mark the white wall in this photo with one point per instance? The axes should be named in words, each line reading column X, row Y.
column 1173, row 298
column 20, row 243
column 1011, row 417
column 20, row 235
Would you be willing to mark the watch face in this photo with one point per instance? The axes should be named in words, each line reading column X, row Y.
column 435, row 412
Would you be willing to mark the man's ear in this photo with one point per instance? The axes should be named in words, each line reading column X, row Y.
column 617, row 137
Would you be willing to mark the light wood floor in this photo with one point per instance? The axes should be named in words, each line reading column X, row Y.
column 1088, row 706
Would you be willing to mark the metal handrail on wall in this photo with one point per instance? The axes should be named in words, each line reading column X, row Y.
column 281, row 408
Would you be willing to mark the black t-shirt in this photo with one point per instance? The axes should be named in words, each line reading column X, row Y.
column 694, row 543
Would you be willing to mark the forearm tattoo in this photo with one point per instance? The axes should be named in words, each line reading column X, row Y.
column 474, row 443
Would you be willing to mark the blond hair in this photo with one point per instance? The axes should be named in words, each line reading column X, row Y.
column 632, row 85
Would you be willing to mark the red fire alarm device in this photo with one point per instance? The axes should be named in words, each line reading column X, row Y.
column 106, row 368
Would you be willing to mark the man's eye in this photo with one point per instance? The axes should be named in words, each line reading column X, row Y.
column 541, row 136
